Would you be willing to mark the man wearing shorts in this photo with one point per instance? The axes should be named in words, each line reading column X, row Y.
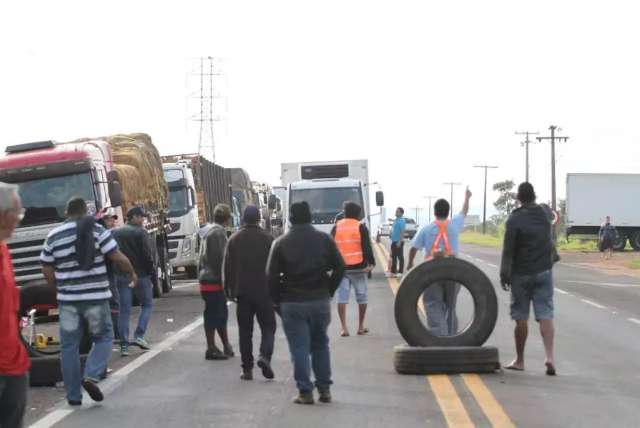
column 354, row 243
column 526, row 268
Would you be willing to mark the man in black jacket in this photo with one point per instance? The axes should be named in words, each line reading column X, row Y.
column 245, row 280
column 527, row 260
column 135, row 243
column 304, row 271
column 354, row 243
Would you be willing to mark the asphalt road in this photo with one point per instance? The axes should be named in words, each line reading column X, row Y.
column 598, row 322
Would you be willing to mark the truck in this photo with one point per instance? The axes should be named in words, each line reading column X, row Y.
column 242, row 189
column 118, row 171
column 326, row 186
column 592, row 197
column 196, row 186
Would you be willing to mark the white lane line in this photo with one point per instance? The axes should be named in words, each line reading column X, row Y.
column 178, row 287
column 634, row 320
column 563, row 292
column 119, row 377
column 594, row 304
column 492, row 265
column 606, row 284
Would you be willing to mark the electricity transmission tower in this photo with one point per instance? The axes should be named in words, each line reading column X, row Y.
column 206, row 116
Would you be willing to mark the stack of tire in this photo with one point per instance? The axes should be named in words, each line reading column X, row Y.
column 45, row 363
column 428, row 353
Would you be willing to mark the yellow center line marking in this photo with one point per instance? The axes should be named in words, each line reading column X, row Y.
column 449, row 401
column 487, row 402
column 393, row 282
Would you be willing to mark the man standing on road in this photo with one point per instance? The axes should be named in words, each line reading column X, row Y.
column 441, row 238
column 73, row 262
column 216, row 313
column 14, row 361
column 107, row 219
column 527, row 261
column 354, row 244
column 606, row 238
column 396, row 267
column 304, row 270
column 245, row 280
column 135, row 243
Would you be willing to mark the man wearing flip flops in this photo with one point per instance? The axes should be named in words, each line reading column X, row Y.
column 354, row 244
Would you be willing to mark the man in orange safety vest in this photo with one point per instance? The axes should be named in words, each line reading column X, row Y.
column 440, row 239
column 353, row 242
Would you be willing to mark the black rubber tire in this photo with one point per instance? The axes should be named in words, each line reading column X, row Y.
column 620, row 242
column 634, row 240
column 446, row 269
column 167, row 281
column 192, row 272
column 31, row 295
column 416, row 360
column 46, row 371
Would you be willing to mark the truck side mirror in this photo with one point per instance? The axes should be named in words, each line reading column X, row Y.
column 380, row 198
column 272, row 202
column 115, row 193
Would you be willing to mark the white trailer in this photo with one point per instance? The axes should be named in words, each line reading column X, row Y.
column 326, row 186
column 592, row 197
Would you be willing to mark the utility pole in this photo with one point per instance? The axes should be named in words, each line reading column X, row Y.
column 417, row 219
column 526, row 143
column 553, row 137
column 430, row 207
column 484, row 208
column 451, row 200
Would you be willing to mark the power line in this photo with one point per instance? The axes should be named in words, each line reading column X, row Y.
column 484, row 208
column 553, row 137
column 526, row 143
column 450, row 183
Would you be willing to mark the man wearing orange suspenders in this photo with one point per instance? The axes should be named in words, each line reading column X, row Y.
column 438, row 239
column 354, row 243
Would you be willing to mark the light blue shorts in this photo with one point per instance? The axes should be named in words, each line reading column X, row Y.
column 532, row 289
column 357, row 281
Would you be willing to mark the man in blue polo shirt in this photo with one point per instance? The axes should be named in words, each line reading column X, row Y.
column 441, row 238
column 397, row 244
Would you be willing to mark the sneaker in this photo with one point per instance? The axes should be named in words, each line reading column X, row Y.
column 265, row 366
column 324, row 394
column 93, row 390
column 143, row 344
column 124, row 350
column 304, row 397
column 246, row 375
column 214, row 354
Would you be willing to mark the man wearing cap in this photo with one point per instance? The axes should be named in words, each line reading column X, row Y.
column 134, row 242
column 245, row 281
column 107, row 218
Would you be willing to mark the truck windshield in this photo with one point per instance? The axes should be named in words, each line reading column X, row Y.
column 45, row 199
column 178, row 201
column 326, row 203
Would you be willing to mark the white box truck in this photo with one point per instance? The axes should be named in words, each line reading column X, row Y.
column 592, row 197
column 326, row 186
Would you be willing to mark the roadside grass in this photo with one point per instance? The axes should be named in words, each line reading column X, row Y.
column 577, row 245
column 634, row 264
column 495, row 241
column 477, row 238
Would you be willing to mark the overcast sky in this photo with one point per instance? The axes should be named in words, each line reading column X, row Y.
column 424, row 90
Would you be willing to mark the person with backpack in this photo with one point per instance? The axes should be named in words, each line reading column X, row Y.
column 354, row 243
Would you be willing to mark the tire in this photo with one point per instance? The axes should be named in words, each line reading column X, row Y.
column 167, row 282
column 446, row 269
column 46, row 371
column 634, row 240
column 41, row 296
column 620, row 242
column 156, row 281
column 443, row 360
column 192, row 272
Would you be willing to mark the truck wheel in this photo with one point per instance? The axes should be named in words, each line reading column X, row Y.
column 418, row 360
column 446, row 269
column 156, row 280
column 46, row 371
column 192, row 272
column 620, row 242
column 167, row 282
column 634, row 240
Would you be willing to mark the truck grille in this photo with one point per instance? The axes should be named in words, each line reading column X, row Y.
column 26, row 260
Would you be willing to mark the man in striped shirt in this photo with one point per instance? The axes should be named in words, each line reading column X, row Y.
column 73, row 262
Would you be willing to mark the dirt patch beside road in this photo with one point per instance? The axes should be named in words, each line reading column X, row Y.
column 620, row 264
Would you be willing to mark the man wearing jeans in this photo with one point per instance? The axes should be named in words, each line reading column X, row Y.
column 14, row 361
column 134, row 242
column 304, row 270
column 397, row 244
column 527, row 261
column 73, row 262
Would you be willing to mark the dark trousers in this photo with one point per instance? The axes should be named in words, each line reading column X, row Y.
column 13, row 400
column 397, row 255
column 261, row 308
